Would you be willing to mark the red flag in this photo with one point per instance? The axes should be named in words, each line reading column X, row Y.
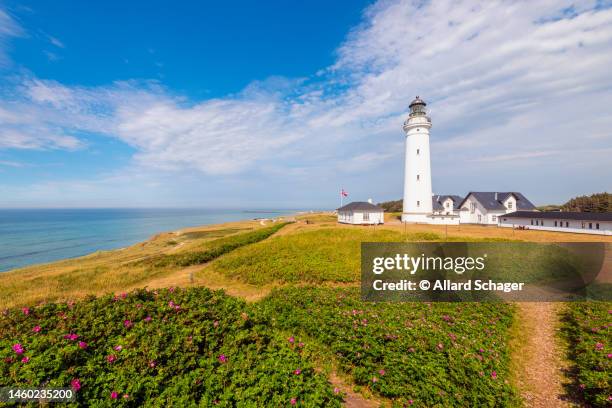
column 343, row 193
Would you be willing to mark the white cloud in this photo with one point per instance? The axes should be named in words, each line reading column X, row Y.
column 505, row 81
column 8, row 28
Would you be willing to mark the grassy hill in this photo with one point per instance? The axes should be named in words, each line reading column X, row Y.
column 292, row 343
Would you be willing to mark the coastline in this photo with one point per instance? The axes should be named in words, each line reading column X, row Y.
column 33, row 237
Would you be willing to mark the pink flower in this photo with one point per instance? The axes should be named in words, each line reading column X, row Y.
column 381, row 372
column 216, row 323
column 126, row 396
column 123, row 295
column 71, row 336
column 18, row 348
column 609, row 355
column 82, row 345
column 336, row 390
column 481, row 351
column 291, row 339
column 494, row 374
column 25, row 359
column 118, row 348
column 300, row 344
column 410, row 402
column 152, row 364
column 127, row 323
column 75, row 384
column 440, row 346
column 297, row 372
column 148, row 319
column 582, row 386
column 25, row 310
column 374, row 379
column 599, row 346
column 114, row 395
column 36, row 329
column 223, row 358
column 110, row 358
column 411, row 350
column 293, row 401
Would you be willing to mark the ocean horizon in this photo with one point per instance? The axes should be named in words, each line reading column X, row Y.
column 35, row 236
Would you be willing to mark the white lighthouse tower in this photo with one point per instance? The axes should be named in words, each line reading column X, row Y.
column 417, row 173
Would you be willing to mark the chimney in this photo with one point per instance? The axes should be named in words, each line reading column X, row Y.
column 370, row 200
column 495, row 196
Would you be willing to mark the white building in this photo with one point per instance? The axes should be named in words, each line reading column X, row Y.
column 446, row 204
column 578, row 222
column 486, row 207
column 361, row 213
column 417, row 205
column 420, row 206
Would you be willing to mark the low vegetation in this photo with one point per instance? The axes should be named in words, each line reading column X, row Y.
column 588, row 329
column 321, row 255
column 210, row 250
column 159, row 348
column 417, row 354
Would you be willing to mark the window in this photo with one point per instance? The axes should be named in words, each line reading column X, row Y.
column 472, row 207
column 567, row 224
column 590, row 225
column 418, row 203
column 494, row 218
column 418, row 177
column 479, row 218
column 366, row 216
column 447, row 204
column 509, row 205
column 555, row 223
column 597, row 226
column 531, row 222
column 418, row 151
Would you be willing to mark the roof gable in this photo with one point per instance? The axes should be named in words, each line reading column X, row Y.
column 493, row 200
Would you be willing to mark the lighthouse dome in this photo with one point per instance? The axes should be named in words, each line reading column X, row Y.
column 417, row 101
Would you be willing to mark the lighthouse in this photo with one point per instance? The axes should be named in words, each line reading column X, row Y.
column 417, row 171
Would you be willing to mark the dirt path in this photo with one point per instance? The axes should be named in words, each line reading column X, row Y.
column 537, row 356
column 351, row 398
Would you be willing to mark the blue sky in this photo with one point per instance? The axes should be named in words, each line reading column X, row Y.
column 280, row 104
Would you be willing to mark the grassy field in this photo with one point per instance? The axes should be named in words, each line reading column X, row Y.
column 368, row 346
column 128, row 268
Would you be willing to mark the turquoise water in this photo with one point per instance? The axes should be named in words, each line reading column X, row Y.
column 36, row 236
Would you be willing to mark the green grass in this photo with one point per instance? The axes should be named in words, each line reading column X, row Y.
column 588, row 329
column 184, row 348
column 212, row 249
column 314, row 256
column 417, row 354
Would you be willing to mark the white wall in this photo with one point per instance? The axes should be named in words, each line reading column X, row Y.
column 358, row 217
column 605, row 227
column 417, row 193
column 486, row 217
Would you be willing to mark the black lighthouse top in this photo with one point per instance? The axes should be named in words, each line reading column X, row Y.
column 417, row 107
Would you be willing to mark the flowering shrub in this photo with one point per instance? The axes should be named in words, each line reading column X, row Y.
column 418, row 354
column 588, row 327
column 136, row 349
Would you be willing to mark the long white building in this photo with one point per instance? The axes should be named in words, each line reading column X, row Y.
column 560, row 221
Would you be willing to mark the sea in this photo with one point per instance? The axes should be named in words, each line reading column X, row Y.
column 33, row 236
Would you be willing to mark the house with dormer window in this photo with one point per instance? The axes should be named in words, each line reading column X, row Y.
column 486, row 207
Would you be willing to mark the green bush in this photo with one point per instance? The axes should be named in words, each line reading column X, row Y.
column 158, row 348
column 314, row 256
column 588, row 327
column 418, row 354
column 213, row 249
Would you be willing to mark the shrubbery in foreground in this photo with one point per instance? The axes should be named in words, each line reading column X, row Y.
column 418, row 354
column 158, row 348
column 588, row 327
